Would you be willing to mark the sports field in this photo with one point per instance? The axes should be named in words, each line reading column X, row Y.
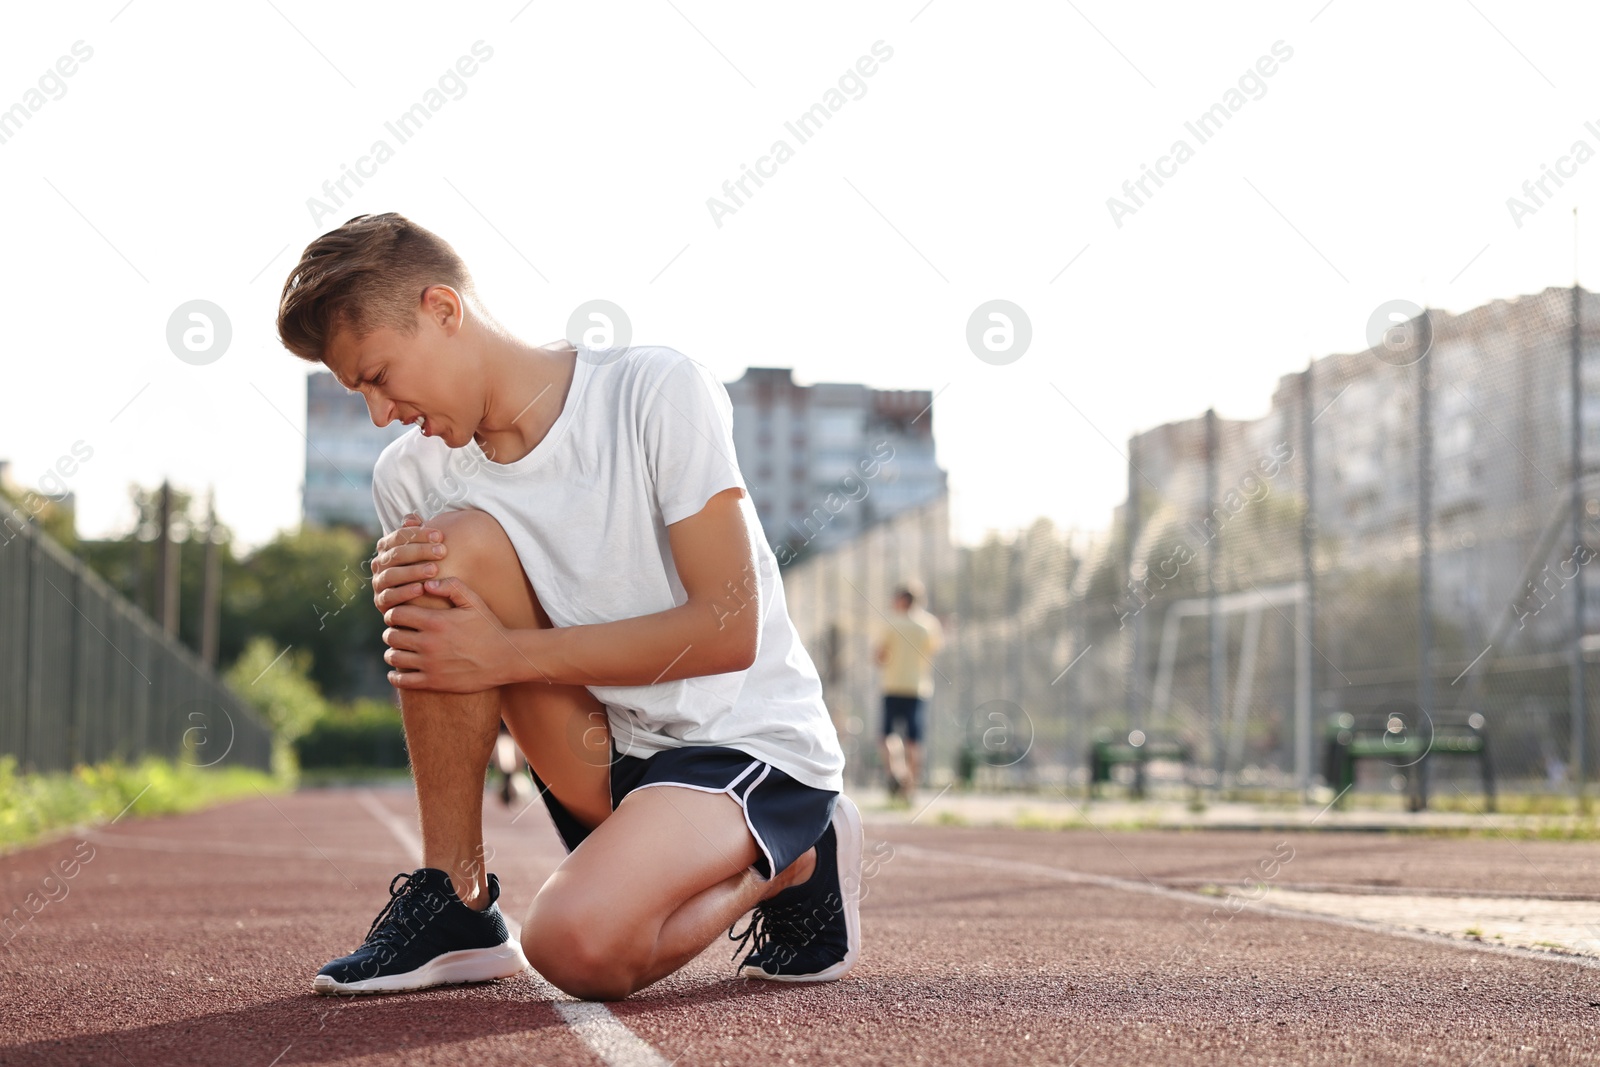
column 193, row 939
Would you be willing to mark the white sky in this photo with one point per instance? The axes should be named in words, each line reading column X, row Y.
column 178, row 163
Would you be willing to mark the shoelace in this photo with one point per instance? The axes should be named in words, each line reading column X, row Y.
column 770, row 925
column 390, row 921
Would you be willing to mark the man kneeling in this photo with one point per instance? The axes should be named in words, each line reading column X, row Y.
column 594, row 574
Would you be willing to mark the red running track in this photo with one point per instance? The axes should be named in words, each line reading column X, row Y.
column 193, row 939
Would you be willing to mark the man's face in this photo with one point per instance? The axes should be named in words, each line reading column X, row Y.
column 413, row 379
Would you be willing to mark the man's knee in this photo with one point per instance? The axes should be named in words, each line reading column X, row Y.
column 479, row 554
column 474, row 542
column 573, row 947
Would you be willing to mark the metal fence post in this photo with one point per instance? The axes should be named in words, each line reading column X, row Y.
column 1130, row 565
column 76, row 667
column 1580, row 703
column 1308, row 617
column 1424, row 546
column 1213, row 621
column 32, row 676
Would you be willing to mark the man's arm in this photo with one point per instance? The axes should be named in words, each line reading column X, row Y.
column 464, row 649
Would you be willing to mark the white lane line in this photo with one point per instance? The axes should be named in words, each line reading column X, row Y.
column 601, row 1031
column 615, row 1044
column 400, row 828
column 1106, row 881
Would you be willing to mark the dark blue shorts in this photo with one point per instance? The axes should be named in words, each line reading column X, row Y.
column 785, row 816
column 907, row 711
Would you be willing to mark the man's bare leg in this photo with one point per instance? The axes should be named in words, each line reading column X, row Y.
column 913, row 767
column 662, row 878
column 450, row 736
column 893, row 752
column 659, row 878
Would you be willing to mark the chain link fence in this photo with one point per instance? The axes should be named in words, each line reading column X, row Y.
column 85, row 676
column 1395, row 551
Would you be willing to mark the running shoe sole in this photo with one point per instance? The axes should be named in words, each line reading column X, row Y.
column 449, row 968
column 847, row 829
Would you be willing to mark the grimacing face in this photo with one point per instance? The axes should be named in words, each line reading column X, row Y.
column 418, row 379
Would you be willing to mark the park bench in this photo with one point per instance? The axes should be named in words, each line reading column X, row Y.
column 1137, row 748
column 1409, row 747
column 971, row 758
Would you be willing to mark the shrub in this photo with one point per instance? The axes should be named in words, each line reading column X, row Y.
column 366, row 733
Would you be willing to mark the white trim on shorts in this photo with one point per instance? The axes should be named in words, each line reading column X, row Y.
column 737, row 799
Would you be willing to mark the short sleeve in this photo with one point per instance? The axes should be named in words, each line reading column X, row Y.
column 688, row 440
column 390, row 495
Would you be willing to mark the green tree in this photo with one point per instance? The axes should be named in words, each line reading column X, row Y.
column 130, row 562
column 54, row 517
column 308, row 588
column 278, row 685
column 311, row 588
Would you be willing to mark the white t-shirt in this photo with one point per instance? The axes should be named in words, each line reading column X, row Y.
column 644, row 440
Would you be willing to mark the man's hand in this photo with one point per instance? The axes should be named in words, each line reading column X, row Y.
column 404, row 560
column 459, row 649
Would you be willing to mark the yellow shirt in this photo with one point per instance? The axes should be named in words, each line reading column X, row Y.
column 912, row 640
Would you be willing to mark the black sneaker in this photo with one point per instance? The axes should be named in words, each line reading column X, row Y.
column 426, row 937
column 811, row 932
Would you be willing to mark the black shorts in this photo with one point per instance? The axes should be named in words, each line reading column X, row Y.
column 906, row 710
column 785, row 816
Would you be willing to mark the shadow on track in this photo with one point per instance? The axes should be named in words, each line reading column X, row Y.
column 304, row 1029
